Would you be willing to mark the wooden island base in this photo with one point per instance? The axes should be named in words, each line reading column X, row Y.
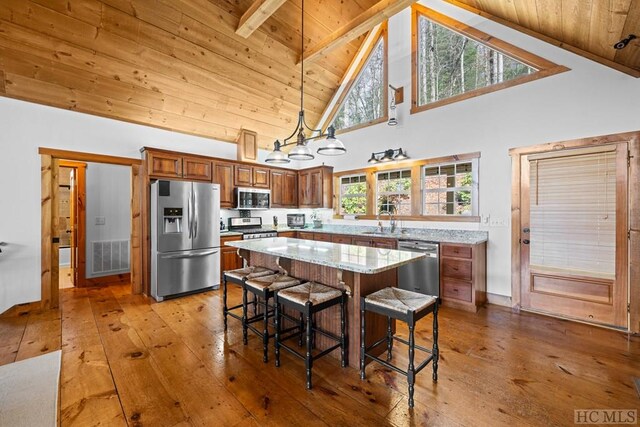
column 356, row 285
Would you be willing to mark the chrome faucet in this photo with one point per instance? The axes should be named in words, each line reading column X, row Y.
column 392, row 221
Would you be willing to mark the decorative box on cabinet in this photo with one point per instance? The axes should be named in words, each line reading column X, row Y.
column 463, row 275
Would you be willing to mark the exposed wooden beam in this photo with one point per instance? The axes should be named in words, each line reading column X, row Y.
column 359, row 25
column 255, row 16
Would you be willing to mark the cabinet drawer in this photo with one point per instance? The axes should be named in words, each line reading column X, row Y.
column 457, row 251
column 336, row 238
column 290, row 234
column 305, row 235
column 456, row 268
column 456, row 290
column 322, row 237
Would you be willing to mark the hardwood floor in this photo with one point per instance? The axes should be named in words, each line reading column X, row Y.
column 129, row 361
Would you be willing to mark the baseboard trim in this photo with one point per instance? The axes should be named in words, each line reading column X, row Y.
column 108, row 280
column 502, row 300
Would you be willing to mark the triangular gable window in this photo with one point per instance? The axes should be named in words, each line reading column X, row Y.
column 454, row 61
column 365, row 101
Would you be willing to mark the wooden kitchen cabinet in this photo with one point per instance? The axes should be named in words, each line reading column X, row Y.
column 277, row 189
column 322, row 237
column 229, row 258
column 196, row 168
column 375, row 242
column 165, row 165
column 242, row 175
column 223, row 175
column 463, row 281
column 284, row 188
column 261, row 177
column 339, row 238
column 291, row 234
column 305, row 235
column 315, row 189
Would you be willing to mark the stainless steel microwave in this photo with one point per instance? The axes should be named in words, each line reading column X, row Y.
column 253, row 198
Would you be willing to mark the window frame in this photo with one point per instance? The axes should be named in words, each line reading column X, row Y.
column 377, row 192
column 382, row 33
column 341, row 194
column 417, row 213
column 545, row 68
column 474, row 187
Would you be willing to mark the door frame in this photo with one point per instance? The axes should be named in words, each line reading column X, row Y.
column 80, row 219
column 633, row 146
column 50, row 162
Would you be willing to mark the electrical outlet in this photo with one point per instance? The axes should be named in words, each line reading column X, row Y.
column 497, row 222
column 100, row 220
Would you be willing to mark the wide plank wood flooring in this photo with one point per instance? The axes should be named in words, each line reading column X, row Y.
column 130, row 361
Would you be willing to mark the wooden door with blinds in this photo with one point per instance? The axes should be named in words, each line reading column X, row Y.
column 574, row 234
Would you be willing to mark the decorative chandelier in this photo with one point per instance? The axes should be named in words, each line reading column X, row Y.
column 331, row 146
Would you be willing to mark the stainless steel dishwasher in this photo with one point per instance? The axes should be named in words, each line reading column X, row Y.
column 423, row 275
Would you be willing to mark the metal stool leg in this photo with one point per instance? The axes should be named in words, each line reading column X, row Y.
column 389, row 338
column 278, row 320
column 343, row 340
column 224, row 301
column 411, row 375
column 362, row 337
column 435, row 350
column 244, row 315
column 309, row 361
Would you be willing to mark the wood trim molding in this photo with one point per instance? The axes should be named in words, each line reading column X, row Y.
column 632, row 140
column 346, row 85
column 254, row 17
column 88, row 157
column 436, row 218
column 109, row 280
column 607, row 62
column 46, row 200
column 545, row 68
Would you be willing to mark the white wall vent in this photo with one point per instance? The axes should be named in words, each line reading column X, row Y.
column 108, row 256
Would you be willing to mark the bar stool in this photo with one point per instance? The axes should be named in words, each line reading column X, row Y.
column 238, row 277
column 263, row 289
column 408, row 307
column 310, row 298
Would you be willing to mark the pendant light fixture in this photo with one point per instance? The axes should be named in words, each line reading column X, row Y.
column 330, row 147
column 390, row 155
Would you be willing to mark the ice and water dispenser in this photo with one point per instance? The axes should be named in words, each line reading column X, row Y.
column 172, row 221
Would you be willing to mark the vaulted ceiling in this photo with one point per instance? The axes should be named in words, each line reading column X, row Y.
column 185, row 65
column 587, row 27
column 175, row 64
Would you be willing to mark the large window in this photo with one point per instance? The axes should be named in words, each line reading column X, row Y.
column 450, row 189
column 453, row 61
column 366, row 100
column 394, row 192
column 353, row 194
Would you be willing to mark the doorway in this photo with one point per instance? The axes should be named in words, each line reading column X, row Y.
column 68, row 227
column 571, row 232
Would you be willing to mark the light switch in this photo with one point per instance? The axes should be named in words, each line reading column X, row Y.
column 100, row 220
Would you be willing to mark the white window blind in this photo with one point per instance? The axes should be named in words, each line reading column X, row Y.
column 573, row 212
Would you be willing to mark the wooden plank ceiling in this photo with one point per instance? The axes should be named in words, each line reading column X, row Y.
column 587, row 27
column 174, row 64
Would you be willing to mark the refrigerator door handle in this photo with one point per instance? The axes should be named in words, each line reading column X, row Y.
column 195, row 214
column 190, row 255
column 189, row 222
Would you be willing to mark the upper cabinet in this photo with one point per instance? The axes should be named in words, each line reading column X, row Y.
column 284, row 188
column 248, row 146
column 261, row 177
column 223, row 175
column 242, row 175
column 166, row 165
column 315, row 188
column 196, row 168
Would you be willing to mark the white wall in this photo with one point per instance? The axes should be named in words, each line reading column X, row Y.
column 590, row 100
column 108, row 197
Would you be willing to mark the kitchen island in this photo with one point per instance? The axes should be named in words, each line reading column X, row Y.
column 357, row 269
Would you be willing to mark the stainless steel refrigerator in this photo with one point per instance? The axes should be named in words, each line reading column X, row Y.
column 185, row 237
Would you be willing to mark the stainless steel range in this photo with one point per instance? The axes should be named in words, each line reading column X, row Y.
column 251, row 228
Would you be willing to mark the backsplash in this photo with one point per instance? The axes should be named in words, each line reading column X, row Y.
column 267, row 215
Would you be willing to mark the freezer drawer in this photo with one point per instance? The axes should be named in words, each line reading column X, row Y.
column 186, row 271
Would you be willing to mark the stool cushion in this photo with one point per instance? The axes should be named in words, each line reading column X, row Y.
column 315, row 293
column 248, row 272
column 273, row 282
column 400, row 300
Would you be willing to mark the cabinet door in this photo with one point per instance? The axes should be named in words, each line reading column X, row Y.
column 229, row 260
column 323, row 237
column 290, row 234
column 261, row 177
column 358, row 241
column 304, row 188
column 196, row 168
column 383, row 243
column 290, row 191
column 315, row 189
column 337, row 238
column 278, row 194
column 243, row 176
column 223, row 175
column 165, row 165
column 305, row 235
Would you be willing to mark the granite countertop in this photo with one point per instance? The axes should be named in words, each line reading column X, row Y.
column 229, row 234
column 359, row 259
column 469, row 237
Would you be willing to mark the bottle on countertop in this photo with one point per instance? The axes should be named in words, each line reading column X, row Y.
column 275, row 221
